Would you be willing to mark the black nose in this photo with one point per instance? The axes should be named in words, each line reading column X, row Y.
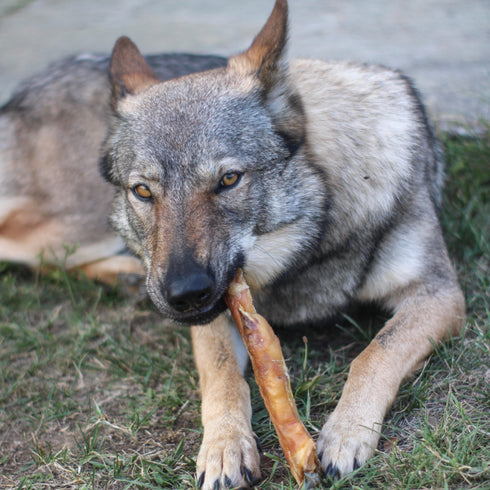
column 191, row 292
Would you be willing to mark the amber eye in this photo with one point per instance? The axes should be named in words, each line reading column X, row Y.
column 230, row 179
column 141, row 191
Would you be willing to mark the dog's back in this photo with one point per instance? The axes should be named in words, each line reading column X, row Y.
column 342, row 110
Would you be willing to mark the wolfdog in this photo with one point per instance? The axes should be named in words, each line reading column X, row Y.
column 320, row 180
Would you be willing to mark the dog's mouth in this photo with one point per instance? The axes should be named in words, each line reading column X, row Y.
column 202, row 317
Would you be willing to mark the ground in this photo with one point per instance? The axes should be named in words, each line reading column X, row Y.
column 97, row 392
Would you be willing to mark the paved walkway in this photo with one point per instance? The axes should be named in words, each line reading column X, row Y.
column 443, row 44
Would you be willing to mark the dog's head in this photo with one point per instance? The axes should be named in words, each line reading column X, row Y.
column 212, row 173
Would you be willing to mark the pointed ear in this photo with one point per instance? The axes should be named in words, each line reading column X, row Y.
column 129, row 71
column 263, row 57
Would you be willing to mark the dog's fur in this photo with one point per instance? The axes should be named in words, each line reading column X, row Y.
column 321, row 180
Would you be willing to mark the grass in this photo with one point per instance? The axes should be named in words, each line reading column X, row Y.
column 97, row 392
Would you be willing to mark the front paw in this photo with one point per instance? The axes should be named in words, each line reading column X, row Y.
column 229, row 457
column 345, row 444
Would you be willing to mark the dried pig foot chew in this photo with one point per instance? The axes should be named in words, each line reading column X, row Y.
column 272, row 378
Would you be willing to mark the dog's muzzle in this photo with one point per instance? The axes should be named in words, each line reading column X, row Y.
column 191, row 294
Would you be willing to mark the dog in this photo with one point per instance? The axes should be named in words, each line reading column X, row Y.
column 322, row 181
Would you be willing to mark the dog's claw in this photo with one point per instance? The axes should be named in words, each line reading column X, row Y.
column 332, row 471
column 200, row 479
column 311, row 481
column 249, row 477
column 259, row 445
column 346, row 443
column 229, row 459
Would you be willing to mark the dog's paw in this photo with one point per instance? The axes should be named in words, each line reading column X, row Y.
column 229, row 458
column 345, row 445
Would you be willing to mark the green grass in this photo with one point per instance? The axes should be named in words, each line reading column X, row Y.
column 97, row 392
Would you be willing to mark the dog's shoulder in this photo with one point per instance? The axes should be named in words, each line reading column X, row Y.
column 352, row 93
column 361, row 126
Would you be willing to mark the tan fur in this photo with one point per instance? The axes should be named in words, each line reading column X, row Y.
column 226, row 409
column 25, row 237
column 110, row 270
column 270, row 253
column 420, row 322
column 30, row 236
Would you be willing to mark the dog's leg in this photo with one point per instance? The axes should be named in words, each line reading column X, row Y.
column 229, row 456
column 25, row 232
column 118, row 269
column 421, row 318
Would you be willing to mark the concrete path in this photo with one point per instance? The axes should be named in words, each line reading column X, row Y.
column 444, row 45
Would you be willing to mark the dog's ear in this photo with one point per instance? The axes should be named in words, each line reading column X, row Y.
column 263, row 58
column 266, row 60
column 129, row 71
